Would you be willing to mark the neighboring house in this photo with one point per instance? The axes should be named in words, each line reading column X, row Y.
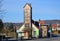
column 54, row 27
column 44, row 31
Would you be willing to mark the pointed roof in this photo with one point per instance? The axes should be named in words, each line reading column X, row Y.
column 27, row 4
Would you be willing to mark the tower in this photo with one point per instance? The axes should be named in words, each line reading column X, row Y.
column 28, row 18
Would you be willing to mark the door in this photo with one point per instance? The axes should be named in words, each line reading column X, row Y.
column 26, row 35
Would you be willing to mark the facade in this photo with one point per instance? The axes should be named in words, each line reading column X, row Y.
column 44, row 31
column 28, row 29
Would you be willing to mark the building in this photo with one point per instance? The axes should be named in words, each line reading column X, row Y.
column 28, row 29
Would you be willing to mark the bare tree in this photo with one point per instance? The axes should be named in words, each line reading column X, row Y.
column 2, row 11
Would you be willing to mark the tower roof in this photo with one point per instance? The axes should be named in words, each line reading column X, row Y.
column 27, row 4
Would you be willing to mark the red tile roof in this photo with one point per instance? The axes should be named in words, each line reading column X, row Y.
column 41, row 22
column 54, row 25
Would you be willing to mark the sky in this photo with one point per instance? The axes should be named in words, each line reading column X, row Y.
column 41, row 9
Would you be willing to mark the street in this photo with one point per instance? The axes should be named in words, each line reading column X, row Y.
column 46, row 39
column 40, row 39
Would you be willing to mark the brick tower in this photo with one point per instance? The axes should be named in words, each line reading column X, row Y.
column 27, row 19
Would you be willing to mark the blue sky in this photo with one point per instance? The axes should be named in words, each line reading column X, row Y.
column 41, row 9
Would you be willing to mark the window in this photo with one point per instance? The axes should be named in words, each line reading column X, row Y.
column 27, row 25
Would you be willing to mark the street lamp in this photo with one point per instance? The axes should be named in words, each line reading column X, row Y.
column 50, row 31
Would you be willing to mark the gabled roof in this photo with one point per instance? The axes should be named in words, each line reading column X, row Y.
column 27, row 4
column 35, row 23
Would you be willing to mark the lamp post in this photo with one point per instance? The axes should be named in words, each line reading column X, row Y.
column 50, row 31
column 40, row 33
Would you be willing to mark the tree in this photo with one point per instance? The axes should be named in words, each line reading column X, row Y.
column 9, row 26
column 1, row 25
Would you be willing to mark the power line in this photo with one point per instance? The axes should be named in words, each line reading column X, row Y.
column 2, row 12
column 1, row 8
column 29, row 1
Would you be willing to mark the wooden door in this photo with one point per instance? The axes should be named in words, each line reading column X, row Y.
column 26, row 35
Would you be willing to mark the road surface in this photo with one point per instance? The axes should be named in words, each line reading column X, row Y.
column 46, row 39
column 41, row 39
